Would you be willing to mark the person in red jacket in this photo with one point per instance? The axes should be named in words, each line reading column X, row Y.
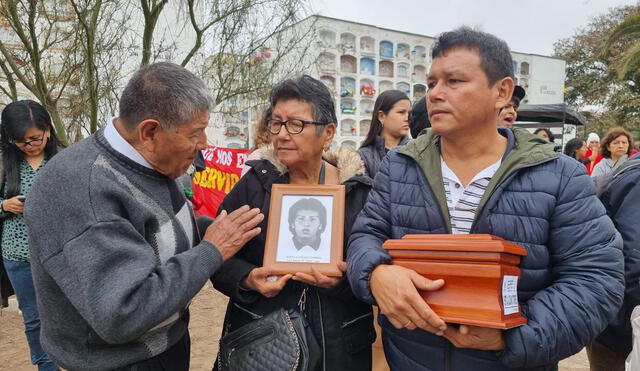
column 593, row 152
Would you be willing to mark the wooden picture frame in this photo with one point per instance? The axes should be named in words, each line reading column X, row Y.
column 296, row 236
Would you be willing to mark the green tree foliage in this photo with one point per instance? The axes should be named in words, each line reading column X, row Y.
column 592, row 83
column 629, row 66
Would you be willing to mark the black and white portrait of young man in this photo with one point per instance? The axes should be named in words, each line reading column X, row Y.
column 305, row 234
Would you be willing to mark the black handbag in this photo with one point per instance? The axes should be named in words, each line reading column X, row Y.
column 281, row 340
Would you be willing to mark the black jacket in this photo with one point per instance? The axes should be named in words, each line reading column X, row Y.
column 339, row 320
column 373, row 154
column 6, row 290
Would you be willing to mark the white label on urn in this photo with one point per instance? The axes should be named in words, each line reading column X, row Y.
column 510, row 294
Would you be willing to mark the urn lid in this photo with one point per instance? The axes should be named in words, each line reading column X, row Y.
column 455, row 242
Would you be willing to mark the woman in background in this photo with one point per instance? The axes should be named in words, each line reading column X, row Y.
column 545, row 133
column 615, row 149
column 548, row 135
column 577, row 148
column 593, row 152
column 389, row 128
column 261, row 139
column 28, row 142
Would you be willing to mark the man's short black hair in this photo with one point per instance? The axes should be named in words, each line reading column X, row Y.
column 495, row 56
column 308, row 204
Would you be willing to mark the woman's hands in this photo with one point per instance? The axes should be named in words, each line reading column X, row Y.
column 13, row 205
column 318, row 279
column 264, row 281
column 260, row 280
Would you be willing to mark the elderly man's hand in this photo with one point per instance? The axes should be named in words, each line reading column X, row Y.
column 318, row 279
column 474, row 337
column 263, row 281
column 395, row 289
column 228, row 233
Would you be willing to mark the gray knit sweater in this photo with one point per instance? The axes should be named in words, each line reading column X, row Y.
column 116, row 258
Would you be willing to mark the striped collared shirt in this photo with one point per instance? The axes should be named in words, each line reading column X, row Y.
column 463, row 202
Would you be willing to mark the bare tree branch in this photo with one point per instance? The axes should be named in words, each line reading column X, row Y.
column 12, row 92
column 89, row 26
column 75, row 55
column 151, row 10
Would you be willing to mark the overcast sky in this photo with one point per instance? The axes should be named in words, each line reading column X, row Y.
column 527, row 26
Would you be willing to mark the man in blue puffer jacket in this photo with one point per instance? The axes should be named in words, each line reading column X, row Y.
column 467, row 176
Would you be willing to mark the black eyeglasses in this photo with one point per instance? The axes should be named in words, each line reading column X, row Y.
column 293, row 126
column 32, row 142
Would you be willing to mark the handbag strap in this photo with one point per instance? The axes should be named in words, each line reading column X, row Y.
column 303, row 300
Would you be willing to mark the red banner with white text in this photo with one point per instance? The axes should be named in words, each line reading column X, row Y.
column 223, row 168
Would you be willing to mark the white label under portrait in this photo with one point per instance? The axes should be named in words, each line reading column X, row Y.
column 510, row 294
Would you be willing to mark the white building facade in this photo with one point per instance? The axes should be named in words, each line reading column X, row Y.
column 358, row 61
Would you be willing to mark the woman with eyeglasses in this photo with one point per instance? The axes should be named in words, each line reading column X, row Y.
column 302, row 127
column 389, row 128
column 28, row 142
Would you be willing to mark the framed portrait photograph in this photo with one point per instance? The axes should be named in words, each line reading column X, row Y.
column 305, row 228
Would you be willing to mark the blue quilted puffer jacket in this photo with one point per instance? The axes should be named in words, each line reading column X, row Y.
column 572, row 281
column 621, row 198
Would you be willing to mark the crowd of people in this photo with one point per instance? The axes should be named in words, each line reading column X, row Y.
column 104, row 252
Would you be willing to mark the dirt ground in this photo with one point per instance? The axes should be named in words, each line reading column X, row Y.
column 207, row 312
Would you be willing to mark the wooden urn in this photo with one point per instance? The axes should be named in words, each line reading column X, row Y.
column 480, row 274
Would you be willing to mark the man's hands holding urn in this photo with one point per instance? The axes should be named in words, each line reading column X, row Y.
column 396, row 291
column 396, row 288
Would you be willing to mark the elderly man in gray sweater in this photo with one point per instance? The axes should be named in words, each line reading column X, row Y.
column 116, row 252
